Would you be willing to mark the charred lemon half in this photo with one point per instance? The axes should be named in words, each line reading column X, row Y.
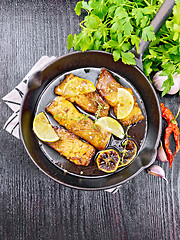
column 128, row 152
column 108, row 160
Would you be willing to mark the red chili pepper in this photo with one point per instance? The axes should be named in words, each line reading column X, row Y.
column 166, row 113
column 168, row 132
column 176, row 137
column 172, row 127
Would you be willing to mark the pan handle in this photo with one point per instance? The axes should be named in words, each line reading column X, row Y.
column 163, row 13
column 36, row 79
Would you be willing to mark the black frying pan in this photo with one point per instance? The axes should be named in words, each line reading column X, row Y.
column 40, row 93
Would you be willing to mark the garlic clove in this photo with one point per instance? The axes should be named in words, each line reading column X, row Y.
column 176, row 87
column 159, row 80
column 157, row 171
column 161, row 154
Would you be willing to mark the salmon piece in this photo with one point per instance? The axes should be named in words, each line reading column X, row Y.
column 72, row 147
column 91, row 102
column 107, row 86
column 68, row 116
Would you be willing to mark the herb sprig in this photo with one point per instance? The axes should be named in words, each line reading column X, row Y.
column 117, row 25
column 99, row 109
column 124, row 144
column 82, row 117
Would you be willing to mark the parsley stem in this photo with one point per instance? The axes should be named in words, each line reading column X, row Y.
column 147, row 3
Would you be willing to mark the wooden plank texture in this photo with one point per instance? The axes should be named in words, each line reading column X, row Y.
column 32, row 205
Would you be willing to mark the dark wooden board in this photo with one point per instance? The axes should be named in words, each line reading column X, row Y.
column 32, row 205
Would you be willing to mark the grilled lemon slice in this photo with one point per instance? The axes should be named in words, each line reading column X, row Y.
column 108, row 160
column 128, row 152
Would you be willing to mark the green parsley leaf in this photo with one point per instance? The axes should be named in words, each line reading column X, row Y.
column 138, row 14
column 135, row 40
column 84, row 40
column 116, row 55
column 86, row 6
column 126, row 46
column 98, row 34
column 97, row 45
column 75, row 42
column 128, row 58
column 99, row 8
column 120, row 13
column 147, row 67
column 167, row 84
column 117, row 25
column 70, row 39
column 78, row 8
column 168, row 68
column 148, row 33
column 91, row 22
column 148, row 10
column 128, row 28
column 105, row 31
column 144, row 22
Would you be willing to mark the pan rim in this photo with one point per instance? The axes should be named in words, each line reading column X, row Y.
column 101, row 187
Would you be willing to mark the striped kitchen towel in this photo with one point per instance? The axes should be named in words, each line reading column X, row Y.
column 15, row 97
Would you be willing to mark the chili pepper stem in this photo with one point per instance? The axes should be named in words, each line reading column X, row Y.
column 174, row 120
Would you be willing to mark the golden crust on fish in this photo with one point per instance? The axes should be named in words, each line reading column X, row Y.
column 72, row 147
column 108, row 89
column 90, row 102
column 68, row 116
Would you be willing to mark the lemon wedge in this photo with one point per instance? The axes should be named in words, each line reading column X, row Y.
column 125, row 103
column 43, row 129
column 78, row 86
column 111, row 125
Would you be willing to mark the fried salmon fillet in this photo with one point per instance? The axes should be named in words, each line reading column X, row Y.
column 90, row 102
column 72, row 147
column 68, row 116
column 108, row 89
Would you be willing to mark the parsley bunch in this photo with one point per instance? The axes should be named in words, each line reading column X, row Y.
column 117, row 25
column 164, row 53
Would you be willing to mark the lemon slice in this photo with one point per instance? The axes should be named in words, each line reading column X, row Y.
column 43, row 129
column 108, row 160
column 111, row 125
column 125, row 103
column 78, row 86
column 128, row 153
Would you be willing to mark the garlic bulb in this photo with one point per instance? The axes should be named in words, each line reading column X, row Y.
column 158, row 82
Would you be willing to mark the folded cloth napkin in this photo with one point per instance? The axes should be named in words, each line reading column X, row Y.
column 15, row 97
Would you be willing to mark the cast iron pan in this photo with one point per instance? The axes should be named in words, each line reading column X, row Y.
column 88, row 65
